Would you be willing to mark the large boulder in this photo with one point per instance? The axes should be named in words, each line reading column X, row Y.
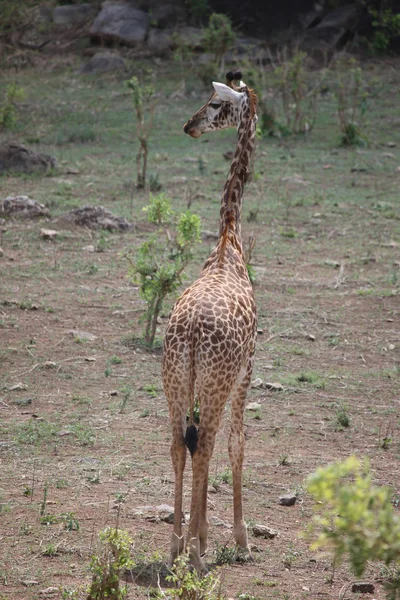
column 333, row 30
column 121, row 23
column 23, row 206
column 102, row 62
column 97, row 217
column 167, row 13
column 18, row 158
column 74, row 14
column 160, row 41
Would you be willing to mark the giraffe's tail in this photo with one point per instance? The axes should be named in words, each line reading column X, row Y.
column 191, row 437
column 191, row 434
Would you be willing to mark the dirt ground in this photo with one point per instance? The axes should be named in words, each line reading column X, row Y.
column 87, row 420
column 84, row 438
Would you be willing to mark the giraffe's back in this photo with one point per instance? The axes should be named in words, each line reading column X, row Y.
column 211, row 332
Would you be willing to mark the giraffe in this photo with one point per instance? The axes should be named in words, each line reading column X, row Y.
column 210, row 337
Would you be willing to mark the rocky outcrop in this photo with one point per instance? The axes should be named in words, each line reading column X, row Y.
column 23, row 207
column 74, row 14
column 121, row 23
column 97, row 217
column 332, row 31
column 17, row 158
column 102, row 62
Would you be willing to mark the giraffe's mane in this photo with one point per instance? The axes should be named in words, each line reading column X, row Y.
column 253, row 102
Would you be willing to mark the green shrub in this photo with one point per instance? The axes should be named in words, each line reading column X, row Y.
column 298, row 94
column 8, row 107
column 190, row 585
column 386, row 25
column 160, row 261
column 352, row 100
column 106, row 567
column 219, row 36
column 355, row 518
column 144, row 101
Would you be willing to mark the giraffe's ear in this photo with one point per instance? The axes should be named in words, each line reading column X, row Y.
column 226, row 93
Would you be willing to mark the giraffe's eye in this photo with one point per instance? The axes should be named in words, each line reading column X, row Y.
column 215, row 105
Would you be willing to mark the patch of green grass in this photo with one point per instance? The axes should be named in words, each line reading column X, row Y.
column 36, row 432
column 304, row 377
column 342, row 419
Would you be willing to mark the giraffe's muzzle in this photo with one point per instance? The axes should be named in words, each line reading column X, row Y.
column 191, row 130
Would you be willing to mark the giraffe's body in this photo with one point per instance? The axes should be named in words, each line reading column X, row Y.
column 210, row 338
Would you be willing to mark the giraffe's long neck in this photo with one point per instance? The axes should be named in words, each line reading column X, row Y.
column 232, row 196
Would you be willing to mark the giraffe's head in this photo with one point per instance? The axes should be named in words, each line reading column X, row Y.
column 226, row 107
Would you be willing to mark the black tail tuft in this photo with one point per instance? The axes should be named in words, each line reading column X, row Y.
column 191, row 437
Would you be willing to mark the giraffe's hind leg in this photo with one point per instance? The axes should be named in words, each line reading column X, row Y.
column 203, row 521
column 236, row 455
column 210, row 415
column 178, row 455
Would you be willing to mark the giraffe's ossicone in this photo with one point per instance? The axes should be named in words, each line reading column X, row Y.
column 210, row 338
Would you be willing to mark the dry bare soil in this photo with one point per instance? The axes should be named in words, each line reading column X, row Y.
column 85, row 437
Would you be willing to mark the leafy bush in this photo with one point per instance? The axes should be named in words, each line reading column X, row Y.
column 298, row 94
column 219, row 36
column 160, row 261
column 143, row 98
column 352, row 100
column 355, row 518
column 114, row 558
column 8, row 107
column 386, row 26
column 190, row 585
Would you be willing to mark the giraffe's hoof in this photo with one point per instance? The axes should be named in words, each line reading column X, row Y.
column 243, row 555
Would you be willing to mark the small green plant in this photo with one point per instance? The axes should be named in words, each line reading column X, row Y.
column 386, row 27
column 342, row 418
column 225, row 555
column 190, row 585
column 8, row 107
column 116, row 360
column 126, row 396
column 352, row 101
column 219, row 36
column 50, row 550
column 160, row 261
column 290, row 557
column 298, row 94
column 151, row 389
column 48, row 520
column 70, row 522
column 284, row 460
column 355, row 518
column 144, row 102
column 113, row 558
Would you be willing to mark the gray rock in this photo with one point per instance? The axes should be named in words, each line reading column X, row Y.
column 74, row 14
column 159, row 41
column 192, row 36
column 122, row 23
column 264, row 531
column 24, row 207
column 333, row 29
column 363, row 588
column 103, row 62
column 82, row 335
column 288, row 500
column 18, row 158
column 167, row 13
column 97, row 217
